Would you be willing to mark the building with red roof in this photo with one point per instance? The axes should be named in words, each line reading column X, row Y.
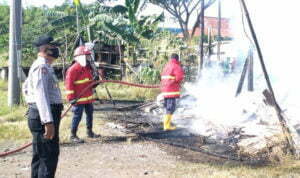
column 211, row 23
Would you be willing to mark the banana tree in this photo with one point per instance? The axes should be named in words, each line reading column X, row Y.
column 133, row 28
column 108, row 24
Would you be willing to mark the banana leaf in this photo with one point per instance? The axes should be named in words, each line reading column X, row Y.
column 123, row 33
column 63, row 20
column 119, row 9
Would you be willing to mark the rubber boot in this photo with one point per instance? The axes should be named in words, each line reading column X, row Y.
column 167, row 123
column 74, row 138
column 91, row 134
column 170, row 127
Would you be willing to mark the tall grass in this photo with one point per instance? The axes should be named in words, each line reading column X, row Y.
column 13, row 124
column 123, row 92
column 7, row 113
column 287, row 168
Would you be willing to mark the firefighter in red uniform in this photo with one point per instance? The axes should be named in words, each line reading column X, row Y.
column 78, row 77
column 171, row 79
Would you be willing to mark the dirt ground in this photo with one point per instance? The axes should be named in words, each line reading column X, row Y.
column 121, row 154
column 117, row 154
column 110, row 157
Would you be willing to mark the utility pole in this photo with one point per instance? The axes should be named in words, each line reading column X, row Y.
column 14, row 75
column 201, row 38
column 219, row 29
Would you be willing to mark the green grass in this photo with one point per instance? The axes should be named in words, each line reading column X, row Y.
column 7, row 113
column 14, row 131
column 13, row 123
column 287, row 168
column 123, row 92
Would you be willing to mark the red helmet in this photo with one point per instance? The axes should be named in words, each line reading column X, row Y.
column 81, row 50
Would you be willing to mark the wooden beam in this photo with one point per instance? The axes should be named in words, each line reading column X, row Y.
column 242, row 79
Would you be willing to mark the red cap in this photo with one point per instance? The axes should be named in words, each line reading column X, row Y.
column 81, row 50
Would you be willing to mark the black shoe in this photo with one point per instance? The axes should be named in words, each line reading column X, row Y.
column 91, row 134
column 75, row 139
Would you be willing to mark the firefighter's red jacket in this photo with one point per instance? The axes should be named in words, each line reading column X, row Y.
column 171, row 79
column 77, row 79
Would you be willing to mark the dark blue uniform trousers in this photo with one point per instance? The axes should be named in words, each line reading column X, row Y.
column 170, row 105
column 45, row 151
column 77, row 114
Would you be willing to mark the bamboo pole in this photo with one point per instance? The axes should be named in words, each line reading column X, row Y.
column 285, row 129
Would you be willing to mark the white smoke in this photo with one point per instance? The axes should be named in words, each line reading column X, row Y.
column 217, row 109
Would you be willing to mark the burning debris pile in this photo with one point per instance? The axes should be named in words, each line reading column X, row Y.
column 247, row 123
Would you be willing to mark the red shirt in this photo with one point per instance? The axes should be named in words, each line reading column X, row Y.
column 78, row 78
column 171, row 79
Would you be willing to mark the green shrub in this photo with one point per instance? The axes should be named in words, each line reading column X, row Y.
column 149, row 75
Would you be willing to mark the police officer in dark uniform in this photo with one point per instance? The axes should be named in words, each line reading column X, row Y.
column 43, row 96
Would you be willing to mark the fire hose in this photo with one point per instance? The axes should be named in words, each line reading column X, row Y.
column 80, row 94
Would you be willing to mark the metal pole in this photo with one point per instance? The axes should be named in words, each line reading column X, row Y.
column 14, row 49
column 282, row 121
column 202, row 37
column 219, row 30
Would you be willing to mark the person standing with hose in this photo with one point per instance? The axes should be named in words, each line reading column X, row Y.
column 78, row 77
column 171, row 78
column 43, row 96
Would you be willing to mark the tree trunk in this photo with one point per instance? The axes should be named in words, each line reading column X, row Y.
column 186, row 33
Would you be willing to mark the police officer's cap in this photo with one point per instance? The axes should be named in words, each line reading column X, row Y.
column 45, row 39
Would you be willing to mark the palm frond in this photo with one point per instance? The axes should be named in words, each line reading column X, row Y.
column 126, row 35
column 63, row 21
column 100, row 18
column 4, row 30
column 119, row 9
column 136, row 5
column 160, row 18
column 53, row 13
